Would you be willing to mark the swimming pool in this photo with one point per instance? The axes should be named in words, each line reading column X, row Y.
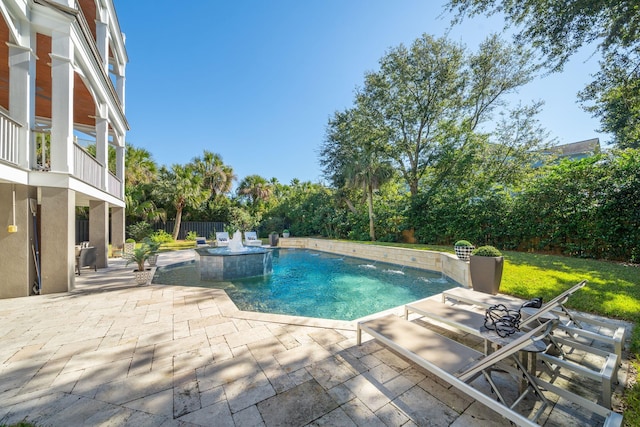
column 318, row 284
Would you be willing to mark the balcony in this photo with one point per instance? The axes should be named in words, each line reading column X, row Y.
column 86, row 167
column 9, row 139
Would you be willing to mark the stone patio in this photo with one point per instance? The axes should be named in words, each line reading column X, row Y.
column 113, row 353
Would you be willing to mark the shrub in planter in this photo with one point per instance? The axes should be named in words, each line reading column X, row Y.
column 485, row 266
column 463, row 249
column 139, row 256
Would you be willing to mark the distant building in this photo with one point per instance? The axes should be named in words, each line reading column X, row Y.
column 62, row 74
column 577, row 150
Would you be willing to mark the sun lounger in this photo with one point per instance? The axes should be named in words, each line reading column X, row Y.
column 456, row 363
column 222, row 238
column 572, row 323
column 472, row 322
column 459, row 365
column 251, row 239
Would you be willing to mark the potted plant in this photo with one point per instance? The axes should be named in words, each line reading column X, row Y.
column 154, row 247
column 273, row 238
column 129, row 246
column 140, row 256
column 485, row 266
column 285, row 233
column 463, row 249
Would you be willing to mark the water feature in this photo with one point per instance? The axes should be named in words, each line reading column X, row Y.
column 318, row 284
column 235, row 261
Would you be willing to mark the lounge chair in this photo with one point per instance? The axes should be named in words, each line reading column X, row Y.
column 459, row 365
column 472, row 322
column 572, row 323
column 222, row 238
column 251, row 239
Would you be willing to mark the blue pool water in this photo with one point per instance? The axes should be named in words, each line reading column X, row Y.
column 317, row 284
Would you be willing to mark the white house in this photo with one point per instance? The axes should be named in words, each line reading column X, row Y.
column 62, row 75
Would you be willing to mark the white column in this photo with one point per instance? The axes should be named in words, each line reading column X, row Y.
column 120, row 89
column 62, row 76
column 102, row 40
column 120, row 151
column 22, row 66
column 102, row 144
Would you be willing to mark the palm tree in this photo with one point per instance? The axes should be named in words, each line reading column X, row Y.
column 255, row 188
column 141, row 168
column 182, row 188
column 368, row 171
column 354, row 155
column 217, row 176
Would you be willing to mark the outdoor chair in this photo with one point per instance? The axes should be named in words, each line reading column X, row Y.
column 463, row 318
column 222, row 238
column 86, row 258
column 460, row 365
column 251, row 239
column 572, row 323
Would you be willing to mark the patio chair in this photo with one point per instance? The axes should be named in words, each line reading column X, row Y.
column 86, row 258
column 222, row 238
column 472, row 322
column 460, row 365
column 251, row 239
column 572, row 323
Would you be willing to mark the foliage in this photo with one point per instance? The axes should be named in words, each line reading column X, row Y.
column 464, row 243
column 255, row 190
column 191, row 236
column 430, row 99
column 139, row 256
column 130, row 240
column 139, row 230
column 486, row 250
column 181, row 188
column 153, row 245
column 241, row 219
column 355, row 154
column 161, row 236
column 614, row 96
column 559, row 29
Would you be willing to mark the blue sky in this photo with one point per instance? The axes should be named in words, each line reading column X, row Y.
column 256, row 81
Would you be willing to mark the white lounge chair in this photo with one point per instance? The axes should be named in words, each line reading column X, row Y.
column 222, row 238
column 251, row 239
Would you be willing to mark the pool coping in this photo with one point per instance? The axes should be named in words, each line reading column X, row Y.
column 233, row 311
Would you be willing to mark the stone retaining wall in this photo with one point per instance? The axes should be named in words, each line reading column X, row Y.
column 446, row 263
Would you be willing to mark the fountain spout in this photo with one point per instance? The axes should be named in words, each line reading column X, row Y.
column 235, row 244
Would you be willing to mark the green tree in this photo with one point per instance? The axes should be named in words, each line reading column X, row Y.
column 217, row 176
column 181, row 188
column 559, row 28
column 355, row 152
column 256, row 190
column 431, row 98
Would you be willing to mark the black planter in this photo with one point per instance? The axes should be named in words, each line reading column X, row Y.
column 273, row 239
column 486, row 273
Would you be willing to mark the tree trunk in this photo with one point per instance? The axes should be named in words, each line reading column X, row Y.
column 372, row 231
column 176, row 227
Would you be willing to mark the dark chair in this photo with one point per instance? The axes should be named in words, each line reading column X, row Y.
column 87, row 258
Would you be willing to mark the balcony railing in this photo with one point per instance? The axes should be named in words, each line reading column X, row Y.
column 115, row 186
column 8, row 139
column 86, row 167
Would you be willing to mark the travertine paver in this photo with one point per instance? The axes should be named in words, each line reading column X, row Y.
column 112, row 353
